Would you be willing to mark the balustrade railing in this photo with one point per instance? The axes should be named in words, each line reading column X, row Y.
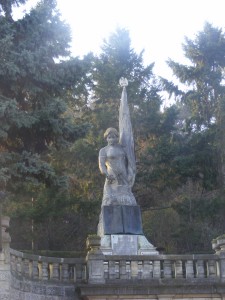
column 140, row 267
column 47, row 268
column 161, row 266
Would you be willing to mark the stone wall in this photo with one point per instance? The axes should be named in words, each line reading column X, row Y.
column 5, row 261
column 40, row 277
column 24, row 289
column 159, row 297
column 4, row 277
column 107, row 277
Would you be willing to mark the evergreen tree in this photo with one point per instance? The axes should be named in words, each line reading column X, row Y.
column 204, row 76
column 204, row 98
column 40, row 85
column 202, row 127
column 152, row 127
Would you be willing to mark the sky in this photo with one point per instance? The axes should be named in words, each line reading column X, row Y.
column 157, row 26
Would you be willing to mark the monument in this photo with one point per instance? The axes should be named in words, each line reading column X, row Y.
column 120, row 224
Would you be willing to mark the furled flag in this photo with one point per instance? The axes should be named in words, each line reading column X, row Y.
column 126, row 133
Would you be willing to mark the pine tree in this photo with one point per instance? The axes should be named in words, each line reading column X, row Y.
column 40, row 86
column 205, row 92
column 201, row 156
column 152, row 127
column 204, row 76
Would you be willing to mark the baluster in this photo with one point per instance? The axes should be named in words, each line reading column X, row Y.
column 26, row 268
column 35, row 269
column 200, row 268
column 140, row 269
column 74, row 268
column 19, row 265
column 128, row 269
column 147, row 269
column 112, row 274
column 134, row 269
column 178, row 269
column 78, row 269
column 211, row 268
column 55, row 271
column 71, row 273
column 84, row 272
column 189, row 269
column 65, row 272
column 106, row 269
column 117, row 270
column 123, row 273
column 13, row 263
column 44, row 270
column 167, row 268
column 156, row 269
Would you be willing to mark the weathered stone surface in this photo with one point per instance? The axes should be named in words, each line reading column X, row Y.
column 132, row 219
column 95, row 267
column 145, row 247
column 120, row 213
column 153, row 290
column 130, row 277
column 124, row 244
column 42, row 290
column 117, row 164
column 4, row 297
column 112, row 219
column 122, row 219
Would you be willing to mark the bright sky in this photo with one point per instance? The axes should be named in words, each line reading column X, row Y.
column 158, row 26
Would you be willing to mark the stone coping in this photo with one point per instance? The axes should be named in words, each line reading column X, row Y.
column 163, row 257
column 35, row 257
column 160, row 257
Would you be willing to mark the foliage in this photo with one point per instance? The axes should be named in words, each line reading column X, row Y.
column 200, row 135
column 116, row 60
column 54, row 110
column 203, row 100
column 41, row 87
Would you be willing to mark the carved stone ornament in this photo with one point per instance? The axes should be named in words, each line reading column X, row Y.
column 123, row 82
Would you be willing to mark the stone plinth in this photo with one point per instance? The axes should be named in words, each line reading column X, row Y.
column 125, row 244
column 95, row 261
column 122, row 219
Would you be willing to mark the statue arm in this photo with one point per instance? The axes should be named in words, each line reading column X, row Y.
column 102, row 166
column 101, row 161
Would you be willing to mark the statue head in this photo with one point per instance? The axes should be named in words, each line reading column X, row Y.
column 112, row 136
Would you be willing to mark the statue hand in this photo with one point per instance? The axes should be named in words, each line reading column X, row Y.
column 110, row 178
column 130, row 179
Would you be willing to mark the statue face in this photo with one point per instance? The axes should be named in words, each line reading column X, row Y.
column 112, row 139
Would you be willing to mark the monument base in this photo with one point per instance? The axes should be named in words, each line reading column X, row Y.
column 125, row 244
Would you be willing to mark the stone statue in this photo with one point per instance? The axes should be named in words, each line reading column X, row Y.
column 117, row 160
column 120, row 224
column 117, row 163
column 114, row 164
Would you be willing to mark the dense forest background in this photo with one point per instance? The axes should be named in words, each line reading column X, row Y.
column 54, row 109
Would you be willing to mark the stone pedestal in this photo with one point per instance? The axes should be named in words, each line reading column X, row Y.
column 122, row 219
column 124, row 244
column 121, row 232
column 95, row 261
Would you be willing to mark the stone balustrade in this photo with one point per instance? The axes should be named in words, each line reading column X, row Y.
column 116, row 267
column 35, row 267
column 102, row 275
column 121, row 267
column 161, row 267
